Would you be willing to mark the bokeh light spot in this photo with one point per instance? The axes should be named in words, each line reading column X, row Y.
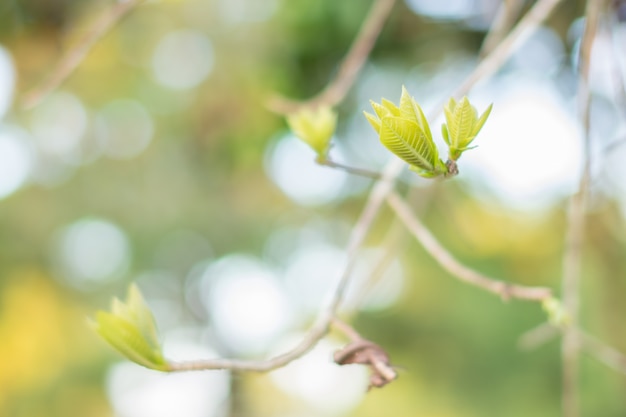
column 247, row 306
column 243, row 11
column 311, row 275
column 7, row 81
column 183, row 59
column 135, row 391
column 322, row 384
column 445, row 10
column 291, row 165
column 91, row 251
column 16, row 159
column 124, row 129
column 543, row 52
column 58, row 125
column 529, row 153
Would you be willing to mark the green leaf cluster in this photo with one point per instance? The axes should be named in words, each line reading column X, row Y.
column 405, row 131
column 315, row 127
column 462, row 125
column 131, row 329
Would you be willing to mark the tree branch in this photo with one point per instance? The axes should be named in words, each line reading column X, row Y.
column 604, row 353
column 524, row 28
column 595, row 348
column 537, row 336
column 320, row 329
column 576, row 224
column 68, row 64
column 350, row 170
column 377, row 196
column 456, row 268
column 356, row 57
column 503, row 21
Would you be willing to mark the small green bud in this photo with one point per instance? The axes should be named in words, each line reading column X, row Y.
column 462, row 125
column 130, row 328
column 557, row 315
column 314, row 127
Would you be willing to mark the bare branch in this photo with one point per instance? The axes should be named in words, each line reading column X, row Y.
column 591, row 345
column 393, row 244
column 525, row 27
column 537, row 336
column 346, row 329
column 68, row 64
column 350, row 170
column 576, row 224
column 337, row 89
column 604, row 353
column 503, row 21
column 320, row 329
column 377, row 196
column 453, row 266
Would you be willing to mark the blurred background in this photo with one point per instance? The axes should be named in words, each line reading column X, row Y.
column 158, row 162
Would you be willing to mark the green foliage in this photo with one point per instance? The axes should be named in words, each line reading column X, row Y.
column 462, row 125
column 315, row 128
column 130, row 328
column 557, row 315
column 404, row 130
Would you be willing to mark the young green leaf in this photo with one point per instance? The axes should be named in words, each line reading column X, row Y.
column 557, row 315
column 314, row 127
column 404, row 130
column 130, row 328
column 462, row 125
column 405, row 139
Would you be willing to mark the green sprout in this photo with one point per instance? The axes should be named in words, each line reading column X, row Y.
column 462, row 125
column 130, row 328
column 404, row 130
column 315, row 128
column 557, row 315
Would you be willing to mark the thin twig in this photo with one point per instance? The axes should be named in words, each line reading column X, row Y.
column 76, row 55
column 377, row 196
column 320, row 329
column 503, row 21
column 525, row 27
column 537, row 336
column 604, row 353
column 393, row 245
column 346, row 329
column 350, row 170
column 591, row 345
column 337, row 89
column 576, row 224
column 456, row 268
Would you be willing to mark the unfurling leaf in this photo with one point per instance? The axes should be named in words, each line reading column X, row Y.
column 462, row 125
column 130, row 328
column 314, row 127
column 404, row 131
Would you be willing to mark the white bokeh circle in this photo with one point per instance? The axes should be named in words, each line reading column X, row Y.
column 246, row 303
column 92, row 251
column 16, row 159
column 183, row 59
